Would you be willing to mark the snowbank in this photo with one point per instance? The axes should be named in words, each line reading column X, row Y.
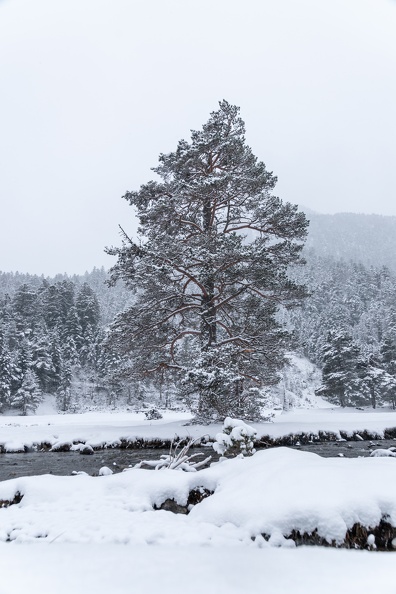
column 272, row 493
column 112, row 429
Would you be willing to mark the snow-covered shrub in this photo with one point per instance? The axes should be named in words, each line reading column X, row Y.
column 153, row 415
column 237, row 438
column 177, row 460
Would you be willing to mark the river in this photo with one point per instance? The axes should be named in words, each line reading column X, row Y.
column 65, row 463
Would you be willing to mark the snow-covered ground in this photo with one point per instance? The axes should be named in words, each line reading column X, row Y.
column 116, row 569
column 100, row 534
column 101, row 429
column 273, row 492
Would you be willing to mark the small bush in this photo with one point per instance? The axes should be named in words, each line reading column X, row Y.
column 153, row 415
column 237, row 438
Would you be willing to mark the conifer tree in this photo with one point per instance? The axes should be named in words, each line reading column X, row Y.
column 87, row 307
column 52, row 307
column 6, row 372
column 41, row 357
column 26, row 305
column 342, row 369
column 28, row 396
column 64, row 387
column 210, row 266
column 71, row 329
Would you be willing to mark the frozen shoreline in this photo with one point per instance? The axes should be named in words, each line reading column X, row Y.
column 18, row 433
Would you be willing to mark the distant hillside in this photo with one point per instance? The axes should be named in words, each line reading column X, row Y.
column 369, row 239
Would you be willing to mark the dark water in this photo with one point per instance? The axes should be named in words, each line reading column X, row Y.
column 64, row 463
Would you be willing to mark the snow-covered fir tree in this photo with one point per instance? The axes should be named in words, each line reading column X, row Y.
column 28, row 396
column 7, row 372
column 341, row 369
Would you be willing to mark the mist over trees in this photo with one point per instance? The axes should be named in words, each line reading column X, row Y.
column 367, row 239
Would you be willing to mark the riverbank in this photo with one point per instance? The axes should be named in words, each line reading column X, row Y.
column 132, row 430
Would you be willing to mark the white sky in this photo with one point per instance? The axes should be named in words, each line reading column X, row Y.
column 91, row 91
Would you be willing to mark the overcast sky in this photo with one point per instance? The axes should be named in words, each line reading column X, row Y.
column 93, row 90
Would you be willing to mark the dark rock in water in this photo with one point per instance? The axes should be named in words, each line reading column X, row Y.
column 87, row 450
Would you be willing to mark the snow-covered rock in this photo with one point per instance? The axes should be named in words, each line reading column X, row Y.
column 105, row 471
column 383, row 453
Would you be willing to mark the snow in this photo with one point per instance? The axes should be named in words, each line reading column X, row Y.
column 383, row 453
column 100, row 569
column 299, row 380
column 272, row 492
column 105, row 471
column 47, row 406
column 100, row 534
column 236, row 434
column 99, row 429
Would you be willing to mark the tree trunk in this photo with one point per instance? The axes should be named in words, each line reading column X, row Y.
column 372, row 394
column 208, row 314
column 208, row 325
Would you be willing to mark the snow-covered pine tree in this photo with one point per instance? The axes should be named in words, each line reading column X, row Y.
column 29, row 395
column 7, row 371
column 52, row 306
column 87, row 309
column 210, row 266
column 342, row 370
column 26, row 306
column 72, row 331
column 42, row 357
column 64, row 386
column 378, row 385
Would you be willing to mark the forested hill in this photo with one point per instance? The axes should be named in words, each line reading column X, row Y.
column 369, row 239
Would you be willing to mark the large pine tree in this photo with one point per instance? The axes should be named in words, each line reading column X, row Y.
column 210, row 268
